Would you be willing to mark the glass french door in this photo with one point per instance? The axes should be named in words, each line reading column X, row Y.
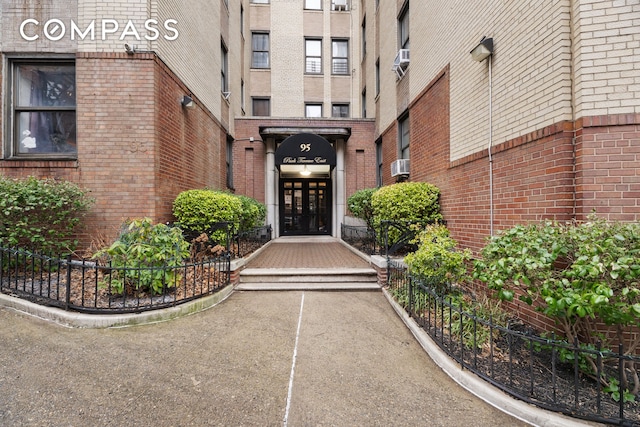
column 305, row 206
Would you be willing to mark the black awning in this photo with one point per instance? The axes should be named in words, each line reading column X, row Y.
column 305, row 149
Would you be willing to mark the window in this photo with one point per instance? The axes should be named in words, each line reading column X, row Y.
column 313, row 110
column 229, row 162
column 364, row 103
column 313, row 4
column 43, row 109
column 403, row 27
column 340, row 110
column 224, row 72
column 379, row 180
column 364, row 37
column 242, row 20
column 403, row 138
column 260, row 1
column 340, row 5
column 377, row 77
column 261, row 106
column 242, row 102
column 260, row 49
column 313, row 52
column 340, row 57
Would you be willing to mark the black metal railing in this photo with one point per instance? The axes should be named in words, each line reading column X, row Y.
column 249, row 241
column 392, row 238
column 362, row 238
column 86, row 286
column 546, row 372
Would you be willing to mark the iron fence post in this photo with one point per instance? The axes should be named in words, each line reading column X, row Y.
column 67, row 301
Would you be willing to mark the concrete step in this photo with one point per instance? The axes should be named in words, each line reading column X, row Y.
column 308, row 286
column 308, row 279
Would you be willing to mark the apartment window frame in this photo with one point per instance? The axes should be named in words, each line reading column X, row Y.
column 363, row 101
column 229, row 162
column 339, row 59
column 403, row 27
column 256, row 106
column 224, row 68
column 363, row 37
column 260, row 50
column 377, row 77
column 309, row 108
column 260, row 1
column 44, row 127
column 343, row 110
column 312, row 4
column 404, row 137
column 317, row 60
column 379, row 163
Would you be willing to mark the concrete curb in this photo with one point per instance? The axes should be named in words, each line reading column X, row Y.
column 101, row 321
column 480, row 388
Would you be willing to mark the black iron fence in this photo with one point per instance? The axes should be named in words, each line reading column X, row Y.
column 212, row 239
column 362, row 238
column 391, row 238
column 87, row 286
column 249, row 241
column 546, row 372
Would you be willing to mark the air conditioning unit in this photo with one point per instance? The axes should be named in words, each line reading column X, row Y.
column 401, row 62
column 340, row 5
column 400, row 167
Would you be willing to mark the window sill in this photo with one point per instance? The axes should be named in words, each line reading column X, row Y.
column 20, row 162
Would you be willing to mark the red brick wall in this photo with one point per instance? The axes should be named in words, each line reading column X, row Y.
column 608, row 167
column 190, row 144
column 532, row 175
column 137, row 148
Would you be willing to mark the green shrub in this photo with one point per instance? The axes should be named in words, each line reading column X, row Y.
column 41, row 214
column 145, row 250
column 406, row 202
column 578, row 274
column 360, row 205
column 437, row 262
column 201, row 209
column 253, row 213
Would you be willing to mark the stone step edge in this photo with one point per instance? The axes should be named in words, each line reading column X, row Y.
column 280, row 286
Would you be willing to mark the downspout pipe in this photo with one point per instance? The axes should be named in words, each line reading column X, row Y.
column 490, row 147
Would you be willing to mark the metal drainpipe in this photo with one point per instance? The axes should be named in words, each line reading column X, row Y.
column 490, row 148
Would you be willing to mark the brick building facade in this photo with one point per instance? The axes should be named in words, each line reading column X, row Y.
column 556, row 106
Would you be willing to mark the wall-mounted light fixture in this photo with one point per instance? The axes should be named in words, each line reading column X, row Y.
column 483, row 50
column 187, row 102
column 129, row 49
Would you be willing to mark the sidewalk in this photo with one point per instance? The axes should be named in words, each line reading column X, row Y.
column 356, row 364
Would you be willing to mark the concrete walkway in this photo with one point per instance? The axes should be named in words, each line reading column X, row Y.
column 256, row 359
column 295, row 358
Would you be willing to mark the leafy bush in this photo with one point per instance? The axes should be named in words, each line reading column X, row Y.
column 360, row 205
column 41, row 214
column 142, row 252
column 253, row 213
column 578, row 274
column 201, row 209
column 406, row 202
column 437, row 262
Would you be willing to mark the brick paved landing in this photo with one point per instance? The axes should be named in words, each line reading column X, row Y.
column 307, row 252
column 307, row 263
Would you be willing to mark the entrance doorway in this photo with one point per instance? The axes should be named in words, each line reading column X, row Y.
column 305, row 206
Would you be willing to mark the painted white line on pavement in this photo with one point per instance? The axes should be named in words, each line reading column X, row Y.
column 293, row 365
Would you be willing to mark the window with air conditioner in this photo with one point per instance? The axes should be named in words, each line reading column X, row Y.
column 340, row 5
